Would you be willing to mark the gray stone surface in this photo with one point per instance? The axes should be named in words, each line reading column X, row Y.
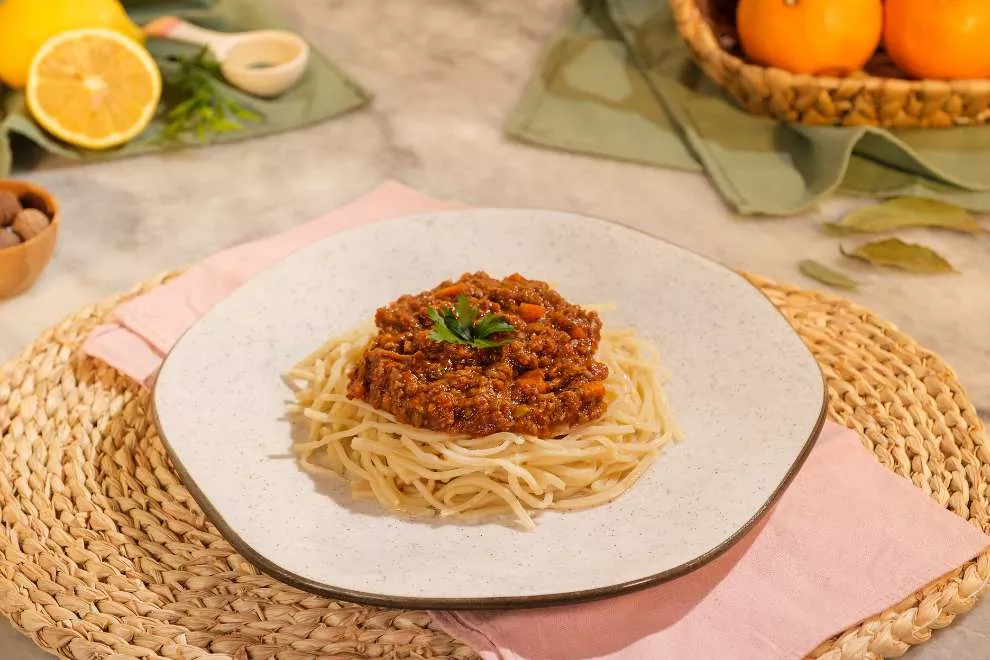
column 446, row 75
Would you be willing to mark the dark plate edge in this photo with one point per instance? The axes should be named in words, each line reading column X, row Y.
column 501, row 602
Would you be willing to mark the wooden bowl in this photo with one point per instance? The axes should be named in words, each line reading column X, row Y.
column 21, row 265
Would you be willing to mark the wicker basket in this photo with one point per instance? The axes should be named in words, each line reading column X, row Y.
column 880, row 97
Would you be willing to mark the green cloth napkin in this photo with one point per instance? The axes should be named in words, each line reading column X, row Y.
column 323, row 92
column 618, row 81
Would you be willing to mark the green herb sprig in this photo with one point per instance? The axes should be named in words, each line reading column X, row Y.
column 458, row 326
column 201, row 107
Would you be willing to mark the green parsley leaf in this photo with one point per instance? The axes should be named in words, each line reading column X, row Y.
column 465, row 312
column 489, row 343
column 440, row 330
column 458, row 326
column 491, row 324
column 455, row 326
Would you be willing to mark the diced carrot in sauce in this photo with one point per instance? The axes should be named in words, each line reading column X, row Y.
column 451, row 291
column 516, row 277
column 530, row 312
column 533, row 379
column 532, row 374
column 594, row 389
column 577, row 332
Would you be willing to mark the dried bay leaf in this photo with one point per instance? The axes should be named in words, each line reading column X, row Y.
column 903, row 213
column 895, row 253
column 826, row 275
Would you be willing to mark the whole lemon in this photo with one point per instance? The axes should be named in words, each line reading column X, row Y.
column 25, row 25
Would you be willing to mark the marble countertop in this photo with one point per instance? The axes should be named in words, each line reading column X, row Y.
column 446, row 74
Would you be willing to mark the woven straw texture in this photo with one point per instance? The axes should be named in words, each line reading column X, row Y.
column 707, row 27
column 104, row 553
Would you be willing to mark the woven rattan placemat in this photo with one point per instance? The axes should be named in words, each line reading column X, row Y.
column 104, row 553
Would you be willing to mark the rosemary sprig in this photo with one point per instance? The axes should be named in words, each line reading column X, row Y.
column 199, row 106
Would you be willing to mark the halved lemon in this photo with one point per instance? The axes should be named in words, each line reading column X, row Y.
column 93, row 88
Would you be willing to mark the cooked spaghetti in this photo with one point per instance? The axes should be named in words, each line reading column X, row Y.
column 438, row 467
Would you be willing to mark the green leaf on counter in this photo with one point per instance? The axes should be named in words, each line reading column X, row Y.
column 903, row 213
column 895, row 253
column 826, row 275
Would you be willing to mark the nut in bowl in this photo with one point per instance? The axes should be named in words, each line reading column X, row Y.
column 29, row 224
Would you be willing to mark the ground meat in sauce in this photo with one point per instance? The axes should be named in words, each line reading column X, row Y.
column 544, row 381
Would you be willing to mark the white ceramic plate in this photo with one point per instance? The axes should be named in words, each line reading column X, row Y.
column 745, row 390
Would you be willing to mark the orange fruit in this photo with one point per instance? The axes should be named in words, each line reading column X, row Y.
column 938, row 38
column 93, row 88
column 826, row 37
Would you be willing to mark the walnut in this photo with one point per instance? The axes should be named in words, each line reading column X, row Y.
column 29, row 200
column 29, row 223
column 8, row 238
column 10, row 206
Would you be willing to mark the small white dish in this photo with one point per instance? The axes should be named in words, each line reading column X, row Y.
column 747, row 393
column 261, row 62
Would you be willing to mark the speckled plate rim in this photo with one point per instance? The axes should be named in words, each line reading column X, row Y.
column 501, row 602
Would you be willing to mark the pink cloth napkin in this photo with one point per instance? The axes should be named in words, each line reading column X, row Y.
column 848, row 539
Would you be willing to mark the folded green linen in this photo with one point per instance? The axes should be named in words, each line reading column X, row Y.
column 323, row 92
column 618, row 81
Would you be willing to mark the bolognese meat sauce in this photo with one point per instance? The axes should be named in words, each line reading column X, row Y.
column 543, row 379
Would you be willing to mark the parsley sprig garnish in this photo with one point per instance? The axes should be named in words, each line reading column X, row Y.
column 198, row 104
column 457, row 326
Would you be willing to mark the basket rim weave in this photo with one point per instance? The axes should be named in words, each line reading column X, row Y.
column 104, row 553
